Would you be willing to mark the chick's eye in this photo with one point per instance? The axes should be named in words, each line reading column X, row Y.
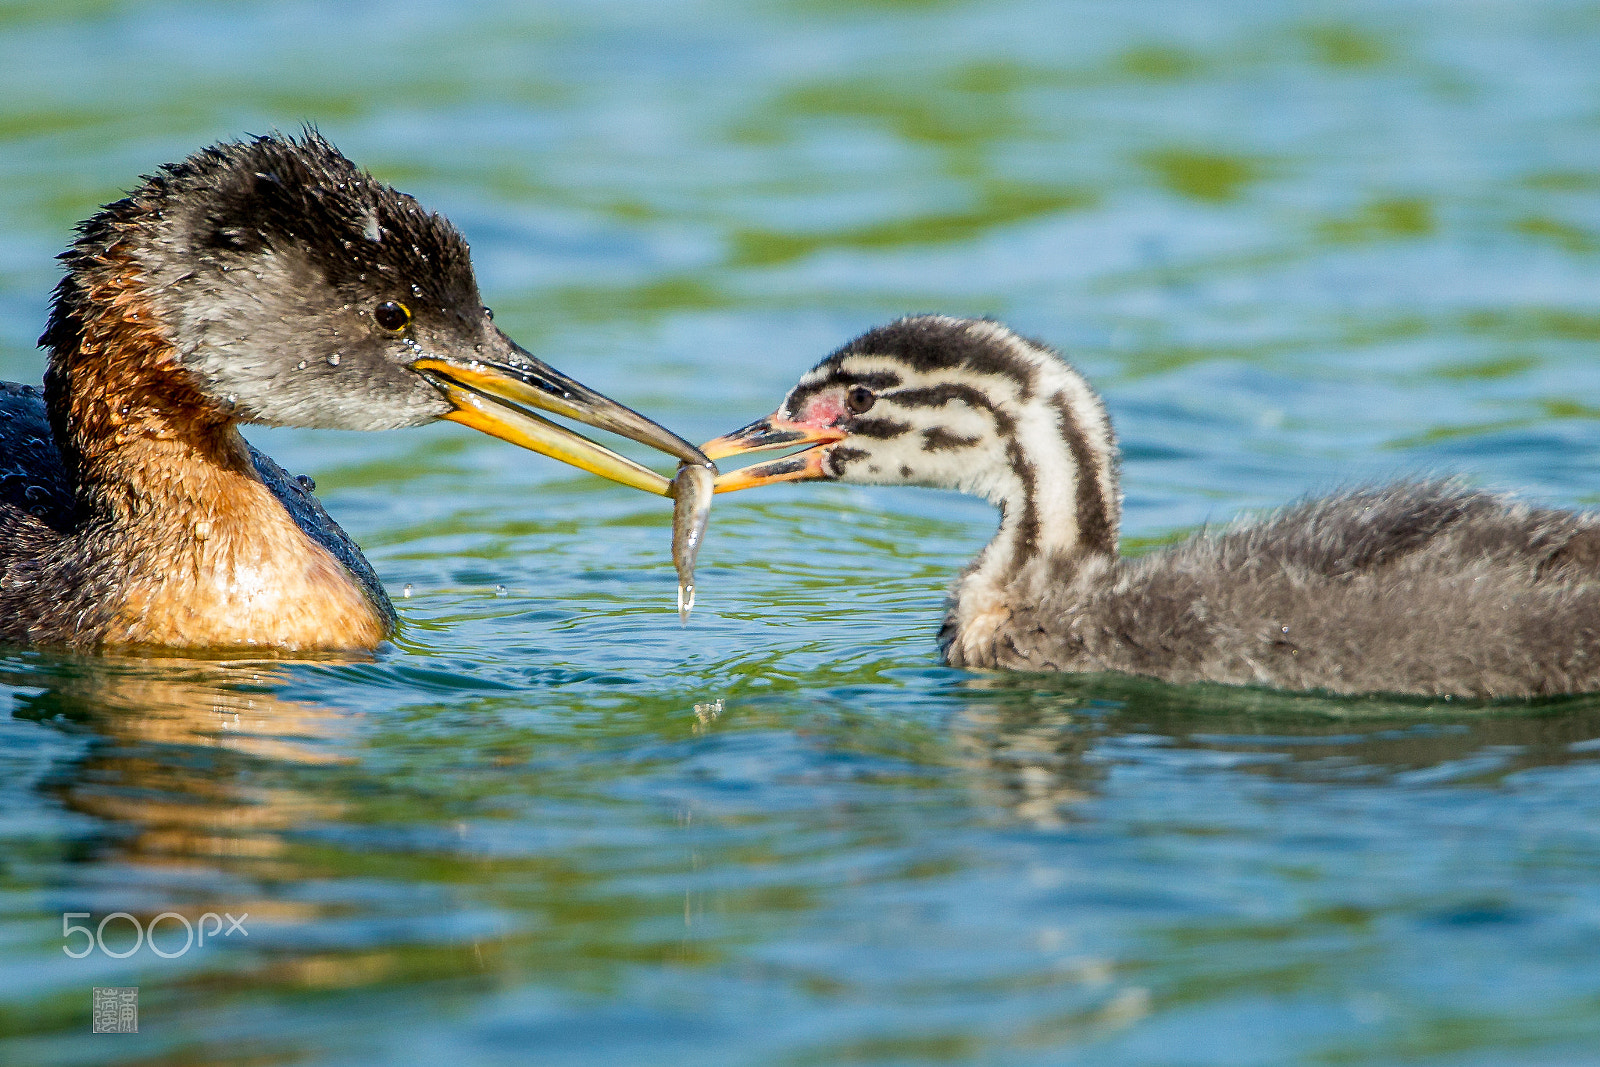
column 391, row 315
column 859, row 399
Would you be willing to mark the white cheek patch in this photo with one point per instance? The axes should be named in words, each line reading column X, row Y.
column 963, row 422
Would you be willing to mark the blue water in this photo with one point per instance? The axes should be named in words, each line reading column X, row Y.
column 1296, row 245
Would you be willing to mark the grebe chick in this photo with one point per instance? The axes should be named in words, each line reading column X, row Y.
column 266, row 281
column 1424, row 588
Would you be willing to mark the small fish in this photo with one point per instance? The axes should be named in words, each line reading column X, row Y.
column 691, row 509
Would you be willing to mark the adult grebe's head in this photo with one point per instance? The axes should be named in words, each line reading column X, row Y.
column 286, row 286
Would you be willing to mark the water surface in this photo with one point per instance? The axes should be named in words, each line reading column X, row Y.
column 1296, row 245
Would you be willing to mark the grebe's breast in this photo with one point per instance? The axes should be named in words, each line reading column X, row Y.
column 34, row 481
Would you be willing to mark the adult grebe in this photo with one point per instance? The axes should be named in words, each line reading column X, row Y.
column 267, row 281
column 1424, row 588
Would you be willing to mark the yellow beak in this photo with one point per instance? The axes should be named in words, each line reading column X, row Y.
column 493, row 393
column 774, row 431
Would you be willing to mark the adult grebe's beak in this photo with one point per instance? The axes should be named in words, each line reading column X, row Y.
column 774, row 431
column 493, row 390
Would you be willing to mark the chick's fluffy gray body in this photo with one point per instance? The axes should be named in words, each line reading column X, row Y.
column 1416, row 588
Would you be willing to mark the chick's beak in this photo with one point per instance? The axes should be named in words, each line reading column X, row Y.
column 774, row 431
column 493, row 390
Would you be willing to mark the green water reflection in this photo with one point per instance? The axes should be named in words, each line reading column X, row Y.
column 1295, row 247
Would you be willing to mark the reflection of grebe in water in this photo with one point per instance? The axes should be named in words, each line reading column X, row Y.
column 174, row 740
column 200, row 776
column 273, row 282
column 1043, row 753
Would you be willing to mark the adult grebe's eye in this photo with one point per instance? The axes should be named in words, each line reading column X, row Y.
column 859, row 399
column 391, row 316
